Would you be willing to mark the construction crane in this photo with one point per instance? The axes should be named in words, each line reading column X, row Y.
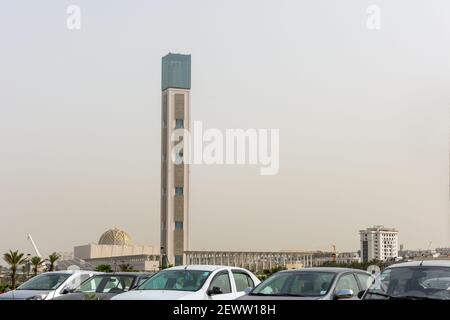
column 29, row 237
column 34, row 246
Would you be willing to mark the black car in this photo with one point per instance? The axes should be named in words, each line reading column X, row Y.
column 417, row 280
column 107, row 285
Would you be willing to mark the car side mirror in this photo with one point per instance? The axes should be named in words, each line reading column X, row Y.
column 344, row 294
column 248, row 290
column 67, row 290
column 214, row 290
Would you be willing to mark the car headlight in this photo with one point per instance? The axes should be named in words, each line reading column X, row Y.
column 38, row 297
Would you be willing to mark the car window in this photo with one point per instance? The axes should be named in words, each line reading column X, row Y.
column 90, row 285
column 106, row 283
column 273, row 285
column 347, row 281
column 242, row 281
column 76, row 281
column 184, row 280
column 113, row 283
column 141, row 281
column 45, row 281
column 413, row 281
column 296, row 284
column 222, row 281
column 365, row 280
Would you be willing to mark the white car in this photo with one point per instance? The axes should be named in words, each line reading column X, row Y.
column 194, row 282
column 48, row 285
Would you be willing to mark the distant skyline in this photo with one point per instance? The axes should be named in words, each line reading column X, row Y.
column 363, row 117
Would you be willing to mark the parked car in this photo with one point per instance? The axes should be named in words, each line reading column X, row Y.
column 194, row 282
column 107, row 285
column 48, row 285
column 416, row 280
column 312, row 284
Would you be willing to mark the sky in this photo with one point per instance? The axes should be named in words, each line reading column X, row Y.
column 363, row 117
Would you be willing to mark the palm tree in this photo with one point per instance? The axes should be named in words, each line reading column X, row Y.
column 14, row 259
column 126, row 268
column 103, row 268
column 36, row 262
column 52, row 259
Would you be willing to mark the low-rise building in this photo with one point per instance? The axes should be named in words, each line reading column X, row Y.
column 116, row 248
column 348, row 257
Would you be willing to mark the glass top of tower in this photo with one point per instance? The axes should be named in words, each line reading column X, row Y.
column 176, row 71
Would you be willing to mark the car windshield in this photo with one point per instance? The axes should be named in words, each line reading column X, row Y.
column 45, row 281
column 107, row 284
column 183, row 280
column 419, row 282
column 302, row 284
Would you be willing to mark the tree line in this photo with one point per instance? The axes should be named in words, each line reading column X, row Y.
column 15, row 259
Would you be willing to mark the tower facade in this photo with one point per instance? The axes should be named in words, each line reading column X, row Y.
column 175, row 114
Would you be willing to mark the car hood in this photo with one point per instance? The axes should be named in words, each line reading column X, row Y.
column 22, row 294
column 159, row 295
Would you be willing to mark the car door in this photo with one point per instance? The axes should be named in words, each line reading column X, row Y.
column 242, row 281
column 222, row 281
column 347, row 281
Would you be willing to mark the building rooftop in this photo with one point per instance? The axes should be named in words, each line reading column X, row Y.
column 379, row 228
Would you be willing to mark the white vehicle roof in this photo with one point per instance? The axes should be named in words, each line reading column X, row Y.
column 203, row 267
column 71, row 272
column 425, row 263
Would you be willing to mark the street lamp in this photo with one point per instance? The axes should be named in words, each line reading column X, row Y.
column 161, row 258
column 28, row 265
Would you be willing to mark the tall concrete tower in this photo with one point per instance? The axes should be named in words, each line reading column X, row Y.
column 175, row 114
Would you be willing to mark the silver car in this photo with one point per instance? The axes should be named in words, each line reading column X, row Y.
column 312, row 284
column 48, row 285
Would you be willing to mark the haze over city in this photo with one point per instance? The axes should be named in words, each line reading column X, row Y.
column 363, row 118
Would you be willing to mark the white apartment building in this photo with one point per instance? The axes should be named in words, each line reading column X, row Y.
column 378, row 243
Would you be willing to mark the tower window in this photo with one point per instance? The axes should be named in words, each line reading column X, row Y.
column 179, row 191
column 178, row 225
column 179, row 124
column 179, row 157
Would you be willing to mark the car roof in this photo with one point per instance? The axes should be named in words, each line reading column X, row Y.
column 135, row 274
column 70, row 272
column 424, row 263
column 203, row 267
column 327, row 269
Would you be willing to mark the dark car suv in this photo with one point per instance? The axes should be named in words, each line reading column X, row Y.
column 417, row 280
column 312, row 284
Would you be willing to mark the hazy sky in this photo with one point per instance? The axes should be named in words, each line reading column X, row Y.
column 363, row 118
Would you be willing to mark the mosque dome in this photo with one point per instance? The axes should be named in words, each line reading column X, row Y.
column 115, row 237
